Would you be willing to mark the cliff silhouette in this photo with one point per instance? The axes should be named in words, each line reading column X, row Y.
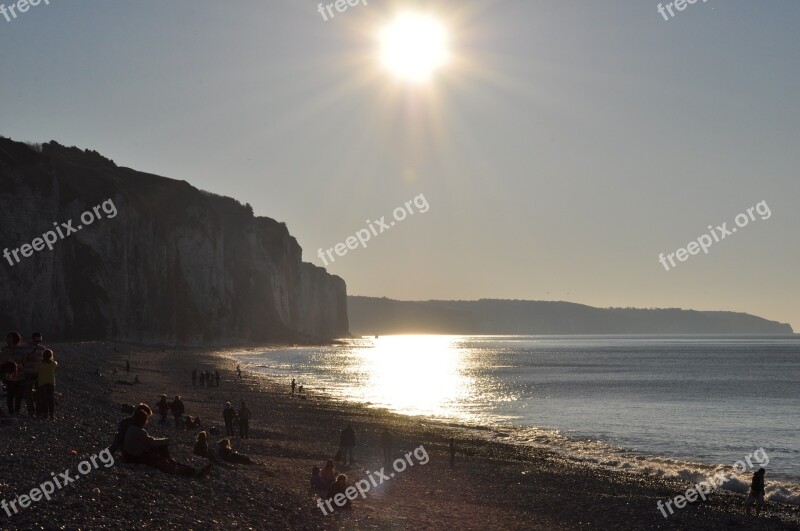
column 176, row 265
column 370, row 315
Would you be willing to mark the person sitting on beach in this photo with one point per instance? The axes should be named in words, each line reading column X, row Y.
column 13, row 357
column 201, row 444
column 316, row 479
column 177, row 411
column 163, row 409
column 756, row 492
column 228, row 414
column 328, row 474
column 339, row 487
column 122, row 428
column 192, row 423
column 141, row 448
column 46, row 384
column 227, row 453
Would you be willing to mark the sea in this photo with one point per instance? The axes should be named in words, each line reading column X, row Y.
column 673, row 406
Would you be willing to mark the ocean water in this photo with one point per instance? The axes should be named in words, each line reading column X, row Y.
column 669, row 406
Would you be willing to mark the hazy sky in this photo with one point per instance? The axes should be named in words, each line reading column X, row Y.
column 564, row 146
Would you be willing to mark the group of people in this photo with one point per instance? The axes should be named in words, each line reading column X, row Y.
column 29, row 374
column 207, row 378
column 240, row 420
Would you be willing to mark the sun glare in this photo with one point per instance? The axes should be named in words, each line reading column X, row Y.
column 413, row 47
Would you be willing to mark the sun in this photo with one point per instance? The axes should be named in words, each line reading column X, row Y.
column 414, row 46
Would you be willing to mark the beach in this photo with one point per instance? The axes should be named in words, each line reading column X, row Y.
column 493, row 485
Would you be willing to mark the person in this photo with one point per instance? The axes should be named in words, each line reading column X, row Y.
column 316, row 479
column 244, row 422
column 228, row 414
column 300, row 391
column 13, row 356
column 239, row 371
column 46, row 383
column 163, row 409
column 216, row 377
column 128, row 366
column 226, row 453
column 194, row 378
column 122, row 428
column 339, row 487
column 140, row 448
column 347, row 441
column 293, row 385
column 136, row 379
column 177, row 411
column 452, row 452
column 30, row 368
column 193, row 423
column 201, row 444
column 386, row 444
column 756, row 492
column 328, row 474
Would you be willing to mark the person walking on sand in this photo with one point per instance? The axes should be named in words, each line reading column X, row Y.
column 228, row 414
column 163, row 409
column 244, row 422
column 756, row 492
column 347, row 441
column 34, row 351
column 194, row 378
column 386, row 444
column 46, row 382
column 13, row 355
column 178, row 410
column 293, row 385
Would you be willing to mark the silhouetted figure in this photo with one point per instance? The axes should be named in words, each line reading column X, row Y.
column 316, row 479
column 239, row 371
column 216, row 377
column 202, row 378
column 228, row 414
column 194, row 378
column 226, row 453
column 122, row 428
column 386, row 445
column 201, row 444
column 452, row 452
column 756, row 492
column 328, row 474
column 128, row 366
column 46, row 382
column 300, row 390
column 13, row 355
column 339, row 487
column 244, row 422
column 348, row 442
column 177, row 411
column 136, row 379
column 293, row 385
column 163, row 409
column 34, row 352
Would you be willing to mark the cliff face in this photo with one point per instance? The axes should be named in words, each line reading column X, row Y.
column 174, row 265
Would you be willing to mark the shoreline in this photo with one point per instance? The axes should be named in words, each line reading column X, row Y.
column 494, row 484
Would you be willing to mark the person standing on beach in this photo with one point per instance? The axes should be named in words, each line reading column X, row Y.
column 386, row 444
column 216, row 377
column 194, row 378
column 202, row 378
column 293, row 385
column 244, row 422
column 163, row 408
column 128, row 366
column 177, row 411
column 30, row 368
column 756, row 492
column 347, row 441
column 228, row 414
column 12, row 355
column 46, row 382
column 452, row 452
column 239, row 371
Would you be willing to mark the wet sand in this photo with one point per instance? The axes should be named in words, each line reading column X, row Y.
column 494, row 485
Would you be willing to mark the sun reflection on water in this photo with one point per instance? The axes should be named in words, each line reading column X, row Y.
column 412, row 374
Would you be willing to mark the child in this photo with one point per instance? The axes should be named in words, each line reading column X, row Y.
column 316, row 479
column 328, row 474
column 201, row 444
column 46, row 380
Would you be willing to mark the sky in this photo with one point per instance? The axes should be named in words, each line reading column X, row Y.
column 563, row 147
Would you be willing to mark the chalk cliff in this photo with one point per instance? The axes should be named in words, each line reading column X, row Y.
column 175, row 265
